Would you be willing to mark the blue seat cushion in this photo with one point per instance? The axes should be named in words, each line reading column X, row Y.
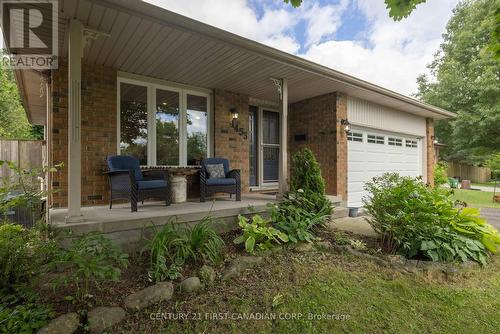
column 221, row 182
column 151, row 184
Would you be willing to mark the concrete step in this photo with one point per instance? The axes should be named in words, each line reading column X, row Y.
column 336, row 200
column 340, row 212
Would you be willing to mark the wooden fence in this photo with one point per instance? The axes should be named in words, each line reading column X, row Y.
column 25, row 153
column 468, row 172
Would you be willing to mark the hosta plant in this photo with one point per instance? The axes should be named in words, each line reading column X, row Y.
column 297, row 217
column 416, row 220
column 259, row 234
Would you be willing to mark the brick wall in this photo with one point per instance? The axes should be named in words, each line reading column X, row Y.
column 429, row 149
column 227, row 142
column 98, row 131
column 316, row 118
column 341, row 147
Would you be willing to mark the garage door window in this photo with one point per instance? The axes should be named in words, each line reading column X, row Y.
column 374, row 139
column 395, row 141
column 411, row 143
column 355, row 136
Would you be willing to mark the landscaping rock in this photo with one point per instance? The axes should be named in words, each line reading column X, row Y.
column 304, row 247
column 239, row 265
column 207, row 275
column 64, row 324
column 102, row 318
column 190, row 284
column 396, row 259
column 151, row 295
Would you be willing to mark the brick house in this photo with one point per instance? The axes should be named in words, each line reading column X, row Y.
column 137, row 79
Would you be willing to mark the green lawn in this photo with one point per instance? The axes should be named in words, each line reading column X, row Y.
column 358, row 296
column 474, row 198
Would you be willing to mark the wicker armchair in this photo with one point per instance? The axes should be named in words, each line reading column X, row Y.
column 231, row 184
column 127, row 181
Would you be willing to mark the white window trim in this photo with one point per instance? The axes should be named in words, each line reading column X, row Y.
column 375, row 139
column 152, row 85
column 395, row 141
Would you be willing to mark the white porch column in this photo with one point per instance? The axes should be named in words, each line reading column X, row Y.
column 74, row 120
column 283, row 161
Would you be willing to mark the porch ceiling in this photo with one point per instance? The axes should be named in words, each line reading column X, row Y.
column 147, row 40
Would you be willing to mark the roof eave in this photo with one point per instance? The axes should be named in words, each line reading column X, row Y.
column 170, row 18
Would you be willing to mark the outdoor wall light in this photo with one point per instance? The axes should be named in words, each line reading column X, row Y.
column 235, row 123
column 234, row 118
column 345, row 123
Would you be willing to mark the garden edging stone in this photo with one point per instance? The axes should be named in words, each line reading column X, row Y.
column 190, row 284
column 151, row 295
column 239, row 265
column 101, row 318
column 64, row 324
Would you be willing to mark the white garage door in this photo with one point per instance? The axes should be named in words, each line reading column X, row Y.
column 373, row 153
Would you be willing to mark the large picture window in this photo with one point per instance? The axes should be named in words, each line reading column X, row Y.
column 133, row 121
column 167, row 127
column 161, row 125
column 197, row 121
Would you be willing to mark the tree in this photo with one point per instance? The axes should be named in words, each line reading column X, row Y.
column 13, row 121
column 464, row 79
column 398, row 9
column 494, row 164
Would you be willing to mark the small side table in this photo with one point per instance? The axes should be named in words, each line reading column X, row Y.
column 178, row 182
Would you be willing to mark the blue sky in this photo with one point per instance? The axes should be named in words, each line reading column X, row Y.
column 353, row 36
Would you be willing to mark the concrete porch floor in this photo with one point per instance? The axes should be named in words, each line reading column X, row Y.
column 126, row 228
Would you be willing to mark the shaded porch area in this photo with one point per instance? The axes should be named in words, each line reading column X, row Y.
column 127, row 228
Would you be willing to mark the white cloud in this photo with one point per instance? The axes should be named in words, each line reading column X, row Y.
column 323, row 21
column 394, row 53
column 390, row 54
column 236, row 16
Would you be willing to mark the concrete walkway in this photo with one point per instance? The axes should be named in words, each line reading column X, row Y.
column 359, row 225
column 356, row 225
column 492, row 216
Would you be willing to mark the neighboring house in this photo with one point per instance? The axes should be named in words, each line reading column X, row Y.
column 165, row 88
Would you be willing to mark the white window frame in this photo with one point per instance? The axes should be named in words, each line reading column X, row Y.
column 411, row 143
column 376, row 139
column 352, row 134
column 396, row 141
column 183, row 90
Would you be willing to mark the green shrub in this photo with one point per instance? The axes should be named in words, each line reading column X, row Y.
column 416, row 220
column 296, row 216
column 259, row 234
column 25, row 182
column 23, row 252
column 171, row 247
column 306, row 173
column 22, row 311
column 440, row 174
column 494, row 164
column 91, row 258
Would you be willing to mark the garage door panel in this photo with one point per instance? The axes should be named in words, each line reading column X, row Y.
column 368, row 160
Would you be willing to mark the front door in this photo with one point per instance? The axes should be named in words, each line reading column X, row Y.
column 264, row 139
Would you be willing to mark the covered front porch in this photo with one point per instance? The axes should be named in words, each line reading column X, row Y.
column 127, row 229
